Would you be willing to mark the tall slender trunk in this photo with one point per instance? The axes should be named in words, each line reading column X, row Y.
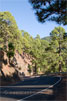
column 60, row 62
column 6, row 45
column 6, row 42
column 35, row 70
column 66, row 64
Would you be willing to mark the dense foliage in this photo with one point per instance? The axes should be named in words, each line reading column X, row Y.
column 48, row 54
column 54, row 10
column 9, row 31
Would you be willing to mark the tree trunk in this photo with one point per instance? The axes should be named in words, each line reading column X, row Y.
column 60, row 66
column 35, row 69
column 60, row 62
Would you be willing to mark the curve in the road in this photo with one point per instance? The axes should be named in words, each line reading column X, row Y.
column 50, row 86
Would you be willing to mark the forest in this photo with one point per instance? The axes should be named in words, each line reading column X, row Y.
column 48, row 54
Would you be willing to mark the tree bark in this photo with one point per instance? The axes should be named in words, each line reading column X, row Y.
column 60, row 62
column 35, row 69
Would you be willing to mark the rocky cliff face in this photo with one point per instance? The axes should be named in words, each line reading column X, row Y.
column 20, row 63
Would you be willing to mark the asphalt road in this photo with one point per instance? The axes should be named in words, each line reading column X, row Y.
column 27, row 89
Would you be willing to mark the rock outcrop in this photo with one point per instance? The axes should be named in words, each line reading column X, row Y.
column 19, row 63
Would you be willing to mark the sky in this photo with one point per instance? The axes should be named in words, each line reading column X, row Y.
column 26, row 19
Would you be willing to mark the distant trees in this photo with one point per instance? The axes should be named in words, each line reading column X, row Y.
column 26, row 41
column 54, row 10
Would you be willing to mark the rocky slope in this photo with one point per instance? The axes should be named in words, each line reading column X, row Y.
column 19, row 64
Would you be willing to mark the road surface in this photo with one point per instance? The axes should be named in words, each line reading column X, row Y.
column 30, row 89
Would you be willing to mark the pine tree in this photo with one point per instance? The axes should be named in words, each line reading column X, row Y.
column 57, row 43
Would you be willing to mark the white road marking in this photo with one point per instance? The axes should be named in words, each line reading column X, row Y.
column 26, row 86
column 41, row 90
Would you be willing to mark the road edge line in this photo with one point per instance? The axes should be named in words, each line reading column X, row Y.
column 41, row 90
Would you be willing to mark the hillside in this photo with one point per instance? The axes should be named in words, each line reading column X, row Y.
column 47, row 38
column 18, row 66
